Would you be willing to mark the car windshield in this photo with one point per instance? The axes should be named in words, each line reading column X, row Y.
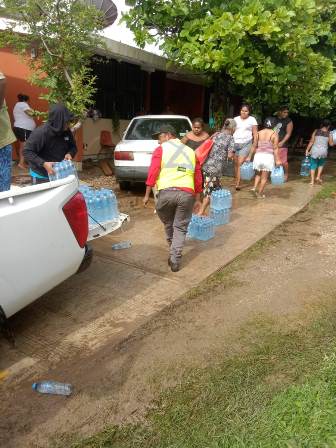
column 144, row 128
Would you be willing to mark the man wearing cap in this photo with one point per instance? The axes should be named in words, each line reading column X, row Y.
column 50, row 143
column 6, row 139
column 177, row 174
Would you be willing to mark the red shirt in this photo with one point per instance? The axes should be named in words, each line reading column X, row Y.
column 155, row 168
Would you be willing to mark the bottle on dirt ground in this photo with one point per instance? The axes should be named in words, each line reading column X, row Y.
column 122, row 245
column 53, row 387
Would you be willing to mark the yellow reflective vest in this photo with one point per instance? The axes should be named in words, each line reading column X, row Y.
column 177, row 166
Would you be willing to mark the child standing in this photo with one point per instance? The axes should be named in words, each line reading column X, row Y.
column 317, row 148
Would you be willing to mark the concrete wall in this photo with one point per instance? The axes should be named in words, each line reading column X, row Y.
column 91, row 134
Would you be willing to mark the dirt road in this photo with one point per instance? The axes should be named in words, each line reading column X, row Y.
column 74, row 333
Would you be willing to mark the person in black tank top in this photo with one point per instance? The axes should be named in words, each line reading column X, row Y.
column 197, row 135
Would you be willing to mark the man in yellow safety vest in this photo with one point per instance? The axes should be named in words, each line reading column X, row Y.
column 177, row 175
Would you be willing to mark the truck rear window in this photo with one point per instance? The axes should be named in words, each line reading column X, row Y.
column 144, row 128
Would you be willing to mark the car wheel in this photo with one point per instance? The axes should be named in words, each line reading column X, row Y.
column 124, row 185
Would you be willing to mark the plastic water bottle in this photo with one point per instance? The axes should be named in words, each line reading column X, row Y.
column 246, row 171
column 205, row 228
column 55, row 176
column 221, row 199
column 220, row 217
column 53, row 387
column 104, row 210
column 97, row 207
column 52, row 176
column 122, row 245
column 277, row 175
column 67, row 167
column 305, row 167
column 90, row 203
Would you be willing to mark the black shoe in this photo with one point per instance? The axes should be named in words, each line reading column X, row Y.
column 173, row 266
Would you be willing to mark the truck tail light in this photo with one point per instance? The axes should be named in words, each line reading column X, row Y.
column 75, row 212
column 123, row 155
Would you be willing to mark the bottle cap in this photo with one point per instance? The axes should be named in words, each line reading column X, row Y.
column 34, row 386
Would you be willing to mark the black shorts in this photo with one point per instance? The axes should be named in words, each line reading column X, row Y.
column 21, row 134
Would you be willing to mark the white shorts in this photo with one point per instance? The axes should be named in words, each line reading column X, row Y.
column 263, row 161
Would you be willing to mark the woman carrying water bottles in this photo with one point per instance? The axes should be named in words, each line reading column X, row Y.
column 52, row 142
column 245, row 133
column 317, row 148
column 212, row 168
column 266, row 150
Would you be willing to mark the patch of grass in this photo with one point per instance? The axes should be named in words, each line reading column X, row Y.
column 281, row 393
column 327, row 191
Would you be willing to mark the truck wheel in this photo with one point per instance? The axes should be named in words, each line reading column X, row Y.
column 124, row 185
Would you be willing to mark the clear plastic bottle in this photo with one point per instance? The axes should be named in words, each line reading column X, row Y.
column 53, row 387
column 98, row 207
column 122, row 245
column 91, row 209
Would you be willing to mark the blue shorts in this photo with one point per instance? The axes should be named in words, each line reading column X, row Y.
column 242, row 149
column 5, row 167
column 317, row 163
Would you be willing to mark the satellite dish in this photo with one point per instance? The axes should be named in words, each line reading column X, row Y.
column 108, row 8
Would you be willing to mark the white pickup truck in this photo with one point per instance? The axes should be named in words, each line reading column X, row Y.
column 43, row 240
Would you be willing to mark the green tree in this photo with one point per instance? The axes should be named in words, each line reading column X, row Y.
column 65, row 35
column 268, row 51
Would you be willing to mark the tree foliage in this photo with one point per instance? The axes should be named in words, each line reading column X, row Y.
column 268, row 51
column 65, row 34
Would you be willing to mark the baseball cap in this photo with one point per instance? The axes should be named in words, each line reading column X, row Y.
column 164, row 129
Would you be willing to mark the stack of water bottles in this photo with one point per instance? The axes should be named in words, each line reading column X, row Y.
column 101, row 204
column 247, row 171
column 201, row 228
column 277, row 175
column 305, row 167
column 63, row 169
column 220, row 206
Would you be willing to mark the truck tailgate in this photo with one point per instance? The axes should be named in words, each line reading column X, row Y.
column 38, row 248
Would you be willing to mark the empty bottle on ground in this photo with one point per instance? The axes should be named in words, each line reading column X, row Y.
column 53, row 387
column 122, row 245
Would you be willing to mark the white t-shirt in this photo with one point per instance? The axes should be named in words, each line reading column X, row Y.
column 243, row 132
column 21, row 119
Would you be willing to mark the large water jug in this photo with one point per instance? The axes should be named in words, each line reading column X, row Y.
column 220, row 217
column 247, row 171
column 277, row 175
column 305, row 167
column 333, row 135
